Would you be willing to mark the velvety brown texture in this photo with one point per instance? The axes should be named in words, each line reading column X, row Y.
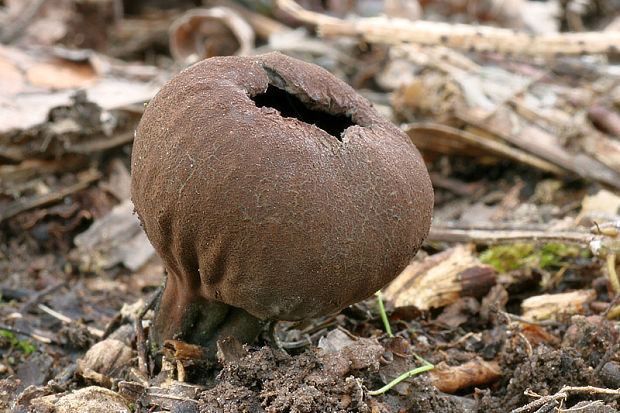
column 268, row 213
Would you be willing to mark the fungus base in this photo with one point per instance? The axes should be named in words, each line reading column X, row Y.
column 197, row 320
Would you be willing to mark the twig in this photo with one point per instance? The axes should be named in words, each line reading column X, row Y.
column 34, row 336
column 306, row 341
column 21, row 205
column 560, row 396
column 328, row 322
column 94, row 331
column 458, row 36
column 489, row 236
column 613, row 310
column 584, row 408
column 141, row 336
column 514, row 317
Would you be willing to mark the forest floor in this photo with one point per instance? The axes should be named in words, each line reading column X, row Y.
column 514, row 298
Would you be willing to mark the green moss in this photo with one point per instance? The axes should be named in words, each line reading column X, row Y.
column 511, row 257
column 506, row 257
column 24, row 345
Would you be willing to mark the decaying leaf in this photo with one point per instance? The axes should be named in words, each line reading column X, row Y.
column 477, row 372
column 441, row 279
column 202, row 33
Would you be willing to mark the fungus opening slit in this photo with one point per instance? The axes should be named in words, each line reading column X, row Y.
column 290, row 106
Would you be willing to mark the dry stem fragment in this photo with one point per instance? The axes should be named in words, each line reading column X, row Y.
column 457, row 36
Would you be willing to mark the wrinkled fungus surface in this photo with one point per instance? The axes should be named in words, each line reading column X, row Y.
column 269, row 185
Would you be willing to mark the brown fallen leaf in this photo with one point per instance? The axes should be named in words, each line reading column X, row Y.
column 62, row 74
column 202, row 33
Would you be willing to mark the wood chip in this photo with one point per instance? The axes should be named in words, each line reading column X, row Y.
column 542, row 307
column 441, row 279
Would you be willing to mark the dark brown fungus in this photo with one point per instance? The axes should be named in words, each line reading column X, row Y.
column 271, row 190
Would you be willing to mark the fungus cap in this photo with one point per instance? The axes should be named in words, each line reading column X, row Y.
column 268, row 184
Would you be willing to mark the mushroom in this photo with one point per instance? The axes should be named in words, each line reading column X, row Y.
column 272, row 191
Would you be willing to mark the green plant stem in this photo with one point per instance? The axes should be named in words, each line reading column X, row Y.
column 384, row 317
column 426, row 367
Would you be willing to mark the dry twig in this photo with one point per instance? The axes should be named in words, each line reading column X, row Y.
column 559, row 397
column 59, row 316
column 141, row 336
column 458, row 36
column 34, row 336
column 20, row 205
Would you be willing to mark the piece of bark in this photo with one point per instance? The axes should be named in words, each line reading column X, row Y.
column 93, row 377
column 179, row 355
column 32, row 168
column 442, row 279
column 119, row 180
column 477, row 372
column 546, row 306
column 602, row 201
column 602, row 147
column 184, row 352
